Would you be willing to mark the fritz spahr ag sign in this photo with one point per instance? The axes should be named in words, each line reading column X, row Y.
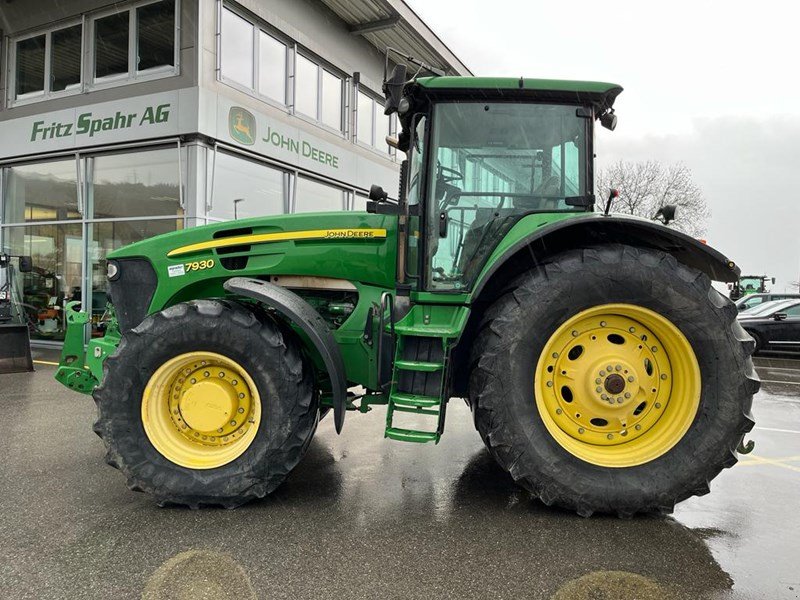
column 89, row 124
column 125, row 120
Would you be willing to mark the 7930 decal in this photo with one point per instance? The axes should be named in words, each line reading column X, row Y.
column 199, row 265
column 183, row 268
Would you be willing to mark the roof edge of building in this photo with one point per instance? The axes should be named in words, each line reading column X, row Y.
column 415, row 21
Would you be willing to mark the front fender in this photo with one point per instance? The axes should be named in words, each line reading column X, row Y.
column 303, row 315
column 533, row 246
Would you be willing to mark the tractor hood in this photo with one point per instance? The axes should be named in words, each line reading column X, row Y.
column 160, row 271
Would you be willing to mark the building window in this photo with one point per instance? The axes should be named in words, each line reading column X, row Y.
column 372, row 126
column 331, row 106
column 45, row 191
column 245, row 188
column 259, row 61
column 314, row 196
column 48, row 63
column 272, row 55
column 136, row 184
column 306, row 93
column 256, row 62
column 237, row 49
column 360, row 202
column 155, row 35
column 111, row 35
column 56, row 250
column 30, row 67
column 318, row 93
column 65, row 58
column 139, row 42
column 134, row 43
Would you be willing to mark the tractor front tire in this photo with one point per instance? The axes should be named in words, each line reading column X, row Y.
column 206, row 403
column 612, row 379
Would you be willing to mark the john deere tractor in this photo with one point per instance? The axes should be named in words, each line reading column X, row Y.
column 603, row 370
column 749, row 284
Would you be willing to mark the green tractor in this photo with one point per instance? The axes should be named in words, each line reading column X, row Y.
column 603, row 370
column 749, row 284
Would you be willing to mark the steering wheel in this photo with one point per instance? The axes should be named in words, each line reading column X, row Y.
column 447, row 175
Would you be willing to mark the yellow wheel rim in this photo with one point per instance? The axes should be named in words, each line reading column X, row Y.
column 617, row 385
column 201, row 410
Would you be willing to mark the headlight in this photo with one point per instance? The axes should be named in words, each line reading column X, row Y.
column 112, row 270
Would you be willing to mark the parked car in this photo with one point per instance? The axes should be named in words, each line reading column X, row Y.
column 775, row 325
column 752, row 300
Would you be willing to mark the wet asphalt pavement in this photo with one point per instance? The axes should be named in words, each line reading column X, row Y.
column 363, row 517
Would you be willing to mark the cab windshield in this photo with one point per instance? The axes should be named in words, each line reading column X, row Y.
column 492, row 163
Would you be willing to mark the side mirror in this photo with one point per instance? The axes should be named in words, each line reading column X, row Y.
column 666, row 214
column 25, row 264
column 377, row 194
column 393, row 89
column 780, row 316
column 773, row 281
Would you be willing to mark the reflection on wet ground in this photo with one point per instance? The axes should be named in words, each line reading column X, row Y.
column 363, row 517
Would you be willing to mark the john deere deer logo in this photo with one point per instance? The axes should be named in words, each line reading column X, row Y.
column 242, row 126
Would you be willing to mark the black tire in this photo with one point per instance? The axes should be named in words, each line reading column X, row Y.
column 758, row 341
column 516, row 328
column 273, row 360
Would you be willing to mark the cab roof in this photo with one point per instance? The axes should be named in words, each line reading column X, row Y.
column 599, row 93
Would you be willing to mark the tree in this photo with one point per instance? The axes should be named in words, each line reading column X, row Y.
column 644, row 187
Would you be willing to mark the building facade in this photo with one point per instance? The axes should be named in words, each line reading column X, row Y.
column 124, row 120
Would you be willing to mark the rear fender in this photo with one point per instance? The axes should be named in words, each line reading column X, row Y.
column 536, row 246
column 299, row 312
column 595, row 229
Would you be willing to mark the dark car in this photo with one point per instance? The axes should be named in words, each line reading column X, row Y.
column 774, row 325
column 752, row 300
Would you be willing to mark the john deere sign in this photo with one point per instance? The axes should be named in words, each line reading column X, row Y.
column 242, row 126
column 285, row 142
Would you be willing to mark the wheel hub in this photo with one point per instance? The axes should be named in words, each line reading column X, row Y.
column 201, row 410
column 207, row 405
column 605, row 380
column 614, row 383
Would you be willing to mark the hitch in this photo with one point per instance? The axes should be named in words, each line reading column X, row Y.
column 72, row 370
column 745, row 447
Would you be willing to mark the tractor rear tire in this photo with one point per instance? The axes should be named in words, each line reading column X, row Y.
column 568, row 337
column 193, row 370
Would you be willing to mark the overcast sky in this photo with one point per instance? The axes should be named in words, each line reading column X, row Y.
column 714, row 84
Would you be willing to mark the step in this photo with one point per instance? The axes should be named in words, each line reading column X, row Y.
column 425, row 331
column 411, row 435
column 418, row 365
column 415, row 411
column 414, row 400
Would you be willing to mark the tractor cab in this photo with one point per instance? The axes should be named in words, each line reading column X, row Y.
column 483, row 153
column 749, row 284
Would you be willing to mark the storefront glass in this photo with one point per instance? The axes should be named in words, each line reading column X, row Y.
column 245, row 188
column 136, row 184
column 46, row 191
column 41, row 218
column 56, row 277
column 314, row 196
